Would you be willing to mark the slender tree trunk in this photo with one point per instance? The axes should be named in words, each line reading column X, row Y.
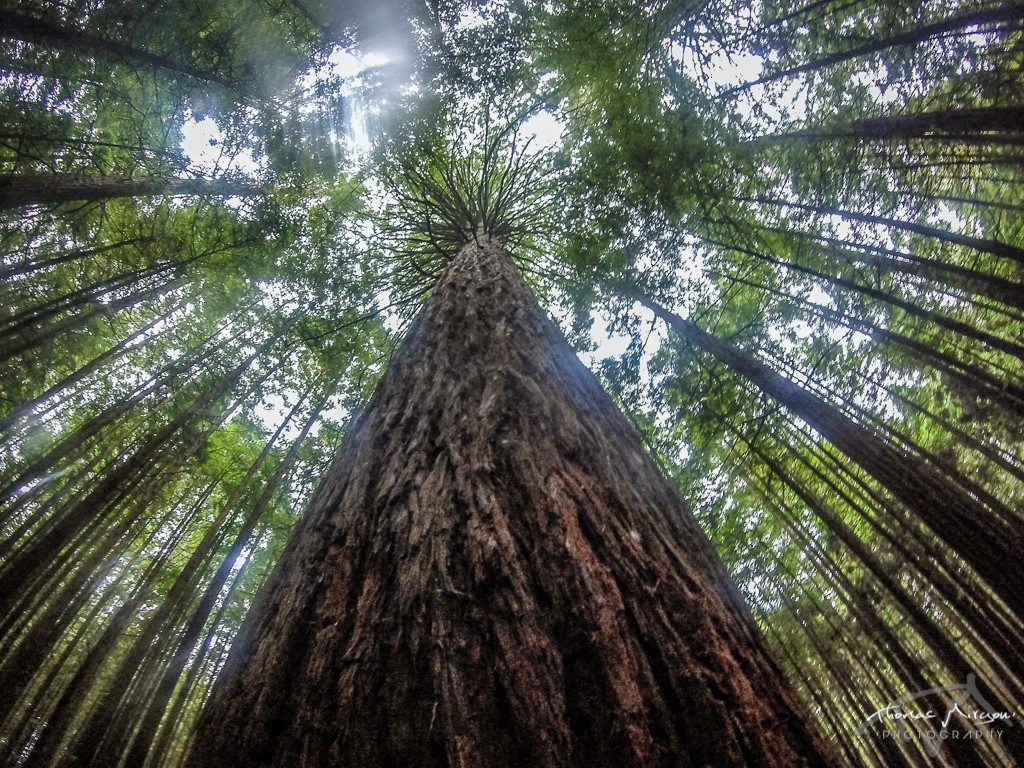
column 962, row 376
column 990, row 125
column 970, row 281
column 78, row 689
column 69, row 444
column 841, row 732
column 1002, row 636
column 1009, row 14
column 30, row 339
column 924, row 624
column 995, row 247
column 806, row 13
column 173, row 722
column 145, row 659
column 48, row 547
column 52, row 188
column 948, row 323
column 41, row 31
column 843, row 670
column 150, row 707
column 985, row 542
column 494, row 573
column 86, row 297
column 35, row 406
column 30, row 265
column 871, row 615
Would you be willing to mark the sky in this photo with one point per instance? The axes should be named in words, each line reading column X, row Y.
column 202, row 143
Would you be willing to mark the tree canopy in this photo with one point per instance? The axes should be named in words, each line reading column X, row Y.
column 788, row 236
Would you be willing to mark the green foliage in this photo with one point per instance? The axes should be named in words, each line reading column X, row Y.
column 177, row 372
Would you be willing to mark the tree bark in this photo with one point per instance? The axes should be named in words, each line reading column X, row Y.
column 992, row 125
column 984, row 541
column 494, row 573
column 969, row 281
column 994, row 247
column 52, row 188
column 40, row 31
column 1009, row 14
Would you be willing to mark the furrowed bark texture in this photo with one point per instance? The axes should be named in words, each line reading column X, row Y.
column 496, row 574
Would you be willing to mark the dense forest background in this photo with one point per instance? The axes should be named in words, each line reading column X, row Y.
column 787, row 235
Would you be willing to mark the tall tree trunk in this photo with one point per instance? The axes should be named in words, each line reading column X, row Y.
column 927, row 315
column 37, row 405
column 992, row 125
column 47, row 547
column 970, row 281
column 29, row 265
column 52, row 188
column 494, row 573
column 50, row 32
column 986, row 542
column 149, row 708
column 964, row 377
column 1009, row 15
column 995, row 247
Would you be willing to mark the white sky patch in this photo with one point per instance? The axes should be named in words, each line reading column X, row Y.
column 947, row 217
column 717, row 71
column 203, row 144
column 357, row 135
column 615, row 344
column 730, row 71
column 818, row 295
column 608, row 345
column 271, row 411
column 545, row 128
column 875, row 83
column 344, row 71
column 349, row 66
column 470, row 19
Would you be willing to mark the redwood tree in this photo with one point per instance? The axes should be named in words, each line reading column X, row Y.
column 495, row 573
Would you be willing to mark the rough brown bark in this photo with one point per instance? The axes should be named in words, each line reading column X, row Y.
column 495, row 574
